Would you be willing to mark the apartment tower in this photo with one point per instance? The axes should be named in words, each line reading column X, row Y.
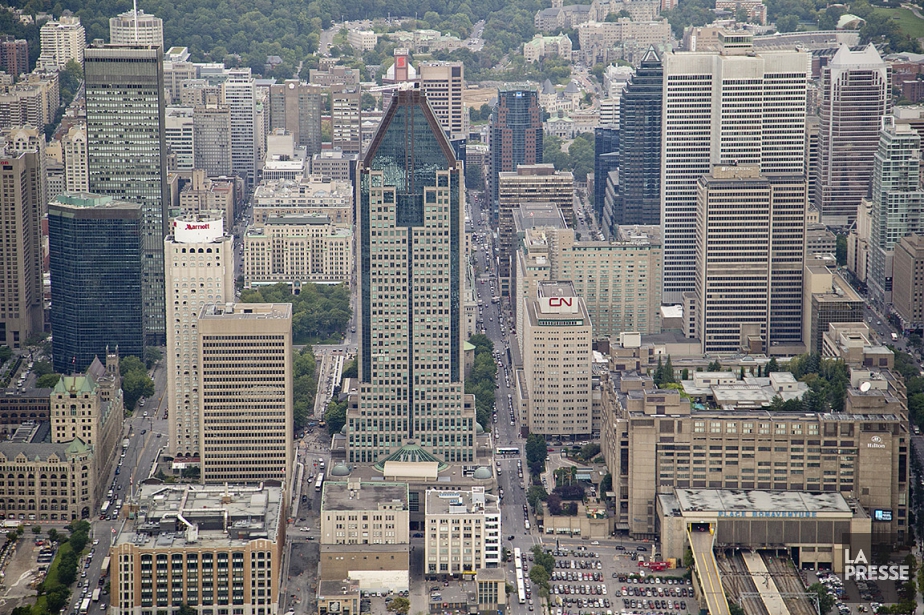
column 855, row 95
column 127, row 154
column 897, row 202
column 442, row 83
column 516, row 133
column 410, row 243
column 346, row 118
column 245, row 354
column 239, row 93
column 94, row 246
column 62, row 41
column 735, row 106
column 200, row 270
column 750, row 231
column 136, row 28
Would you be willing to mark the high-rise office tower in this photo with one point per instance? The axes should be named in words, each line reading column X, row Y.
column 127, row 155
column 442, row 83
column 762, row 99
column 410, row 243
column 855, row 95
column 199, row 270
column 178, row 135
column 62, row 41
column 212, row 139
column 239, row 93
column 749, row 241
column 606, row 159
column 516, row 133
column 94, row 246
column 897, row 202
column 346, row 118
column 296, row 107
column 21, row 210
column 130, row 28
column 245, row 353
column 908, row 281
column 74, row 151
column 14, row 56
column 639, row 197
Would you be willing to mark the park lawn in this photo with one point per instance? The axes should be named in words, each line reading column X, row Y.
column 907, row 22
column 51, row 579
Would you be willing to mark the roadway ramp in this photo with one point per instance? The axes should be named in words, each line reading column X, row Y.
column 706, row 572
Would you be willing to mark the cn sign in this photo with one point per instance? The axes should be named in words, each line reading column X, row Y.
column 558, row 305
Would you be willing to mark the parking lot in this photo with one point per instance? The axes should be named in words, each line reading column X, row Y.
column 606, row 579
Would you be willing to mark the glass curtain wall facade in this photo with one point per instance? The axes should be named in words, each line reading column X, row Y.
column 410, row 250
column 516, row 133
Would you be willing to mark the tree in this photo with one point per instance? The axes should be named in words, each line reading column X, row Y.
column 590, row 450
column 185, row 609
column 5, row 354
column 42, row 368
column 53, row 535
column 840, row 250
column 735, row 609
column 131, row 364
column 715, row 366
column 36, row 529
column 151, row 356
column 78, row 541
column 535, row 449
column 606, row 484
column 400, row 605
column 192, row 472
column 772, row 366
column 787, row 23
column 48, row 381
column 351, row 370
column 135, row 385
column 335, row 416
column 543, row 558
column 536, row 494
column 825, row 600
column 539, row 575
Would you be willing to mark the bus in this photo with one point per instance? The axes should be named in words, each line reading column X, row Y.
column 104, row 569
column 319, row 482
column 85, row 606
column 105, row 508
column 508, row 451
column 521, row 584
column 96, row 594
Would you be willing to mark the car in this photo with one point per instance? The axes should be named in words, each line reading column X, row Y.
column 158, row 435
column 119, row 488
column 305, row 529
column 144, row 431
column 641, row 549
column 595, row 542
column 510, row 537
column 95, row 541
column 418, row 535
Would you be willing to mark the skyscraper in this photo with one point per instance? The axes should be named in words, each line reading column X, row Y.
column 855, row 95
column 74, row 150
column 442, row 83
column 639, row 200
column 762, row 99
column 346, row 118
column 94, row 246
column 127, row 155
column 14, row 56
column 21, row 210
column 410, row 208
column 212, row 139
column 897, row 202
column 296, row 107
column 749, row 240
column 239, row 93
column 516, row 133
column 131, row 28
column 245, row 352
column 62, row 41
column 606, row 159
column 199, row 270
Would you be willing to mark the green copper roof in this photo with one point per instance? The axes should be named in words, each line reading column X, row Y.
column 466, row 346
column 75, row 384
column 410, row 453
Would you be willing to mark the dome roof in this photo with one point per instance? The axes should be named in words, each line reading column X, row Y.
column 483, row 473
column 343, row 430
column 411, row 453
column 340, row 469
column 478, row 428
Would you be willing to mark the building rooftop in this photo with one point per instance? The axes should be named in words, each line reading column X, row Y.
column 369, row 496
column 316, row 219
column 246, row 310
column 177, row 516
column 460, row 502
column 728, row 500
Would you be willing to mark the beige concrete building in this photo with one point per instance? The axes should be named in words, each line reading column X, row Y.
column 749, row 249
column 296, row 107
column 62, row 41
column 199, row 270
column 619, row 280
column 74, row 153
column 853, row 343
column 295, row 249
column 206, row 197
column 333, row 166
column 346, row 118
column 533, row 183
column 858, row 242
column 362, row 40
column 309, row 195
column 827, row 298
column 653, row 443
column 245, row 354
column 443, row 83
column 223, row 545
column 908, row 281
column 339, row 597
column 547, row 47
column 557, row 355
column 131, row 28
column 365, row 533
column 463, row 531
column 600, row 41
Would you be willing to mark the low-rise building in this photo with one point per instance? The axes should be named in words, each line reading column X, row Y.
column 827, row 298
column 333, row 165
column 362, row 40
column 223, row 545
column 463, row 531
column 307, row 196
column 294, row 249
column 210, row 197
column 853, row 343
column 487, row 597
column 756, row 10
column 547, row 47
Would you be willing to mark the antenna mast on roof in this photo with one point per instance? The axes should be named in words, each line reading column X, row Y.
column 135, row 8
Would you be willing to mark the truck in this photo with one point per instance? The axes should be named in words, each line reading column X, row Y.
column 96, row 593
column 85, row 606
column 894, row 336
column 126, row 442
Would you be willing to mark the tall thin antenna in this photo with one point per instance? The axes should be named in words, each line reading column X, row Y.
column 135, row 7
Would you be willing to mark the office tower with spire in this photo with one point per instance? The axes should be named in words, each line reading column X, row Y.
column 127, row 154
column 897, row 202
column 136, row 28
column 762, row 99
column 94, row 248
column 410, row 216
column 515, row 133
column 855, row 95
column 639, row 195
column 199, row 270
